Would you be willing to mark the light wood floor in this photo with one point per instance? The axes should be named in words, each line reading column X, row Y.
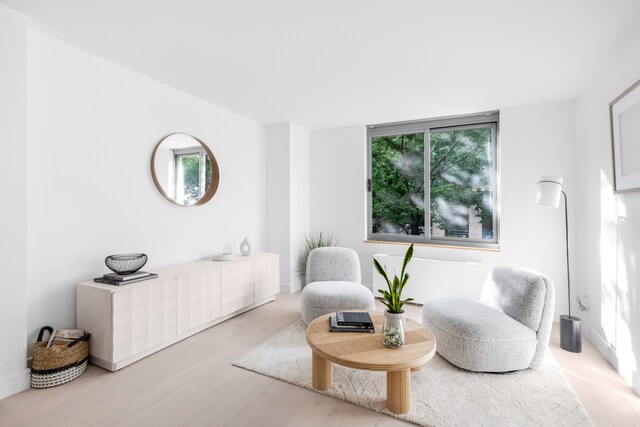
column 192, row 383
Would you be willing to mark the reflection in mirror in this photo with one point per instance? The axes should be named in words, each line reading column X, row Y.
column 184, row 170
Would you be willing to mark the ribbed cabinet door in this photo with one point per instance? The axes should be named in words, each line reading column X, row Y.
column 122, row 324
column 143, row 317
column 199, row 299
column 215, row 277
column 189, row 289
column 267, row 282
column 238, row 286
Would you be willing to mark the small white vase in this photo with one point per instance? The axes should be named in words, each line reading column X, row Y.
column 245, row 247
column 393, row 329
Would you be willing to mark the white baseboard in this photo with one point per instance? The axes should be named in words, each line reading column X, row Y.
column 611, row 355
column 635, row 383
column 288, row 288
column 15, row 383
column 601, row 345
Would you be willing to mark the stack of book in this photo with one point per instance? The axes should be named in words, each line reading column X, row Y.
column 351, row 321
column 125, row 279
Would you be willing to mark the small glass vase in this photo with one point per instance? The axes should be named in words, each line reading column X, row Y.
column 393, row 329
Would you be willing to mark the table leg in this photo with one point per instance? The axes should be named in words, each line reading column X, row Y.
column 322, row 372
column 416, row 369
column 399, row 391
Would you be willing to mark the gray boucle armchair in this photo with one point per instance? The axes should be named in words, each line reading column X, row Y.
column 333, row 284
column 507, row 330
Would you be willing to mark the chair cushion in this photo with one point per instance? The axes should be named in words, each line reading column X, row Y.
column 475, row 336
column 320, row 298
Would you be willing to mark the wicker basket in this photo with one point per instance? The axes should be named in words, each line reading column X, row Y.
column 59, row 363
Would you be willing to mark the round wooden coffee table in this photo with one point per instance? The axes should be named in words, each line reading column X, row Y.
column 366, row 351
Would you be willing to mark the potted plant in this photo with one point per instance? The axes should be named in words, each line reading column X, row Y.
column 393, row 326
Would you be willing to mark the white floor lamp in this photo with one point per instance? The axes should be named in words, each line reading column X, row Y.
column 549, row 192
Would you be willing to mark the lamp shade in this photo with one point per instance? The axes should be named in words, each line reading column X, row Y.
column 549, row 191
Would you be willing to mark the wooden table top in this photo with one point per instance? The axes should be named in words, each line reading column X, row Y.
column 366, row 350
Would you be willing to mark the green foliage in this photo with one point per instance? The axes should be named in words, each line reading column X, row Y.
column 310, row 243
column 207, row 174
column 460, row 178
column 398, row 183
column 392, row 298
column 191, row 168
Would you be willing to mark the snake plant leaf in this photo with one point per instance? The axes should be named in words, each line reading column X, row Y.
column 382, row 272
column 407, row 258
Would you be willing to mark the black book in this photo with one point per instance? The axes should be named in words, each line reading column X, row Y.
column 334, row 327
column 353, row 318
column 126, row 277
column 107, row 281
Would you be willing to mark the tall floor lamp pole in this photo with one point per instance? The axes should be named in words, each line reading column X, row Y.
column 566, row 238
column 549, row 193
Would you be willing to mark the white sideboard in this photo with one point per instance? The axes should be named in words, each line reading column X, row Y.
column 133, row 321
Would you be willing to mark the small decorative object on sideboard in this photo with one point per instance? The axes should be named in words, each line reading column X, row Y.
column 125, row 270
column 125, row 263
column 224, row 256
column 119, row 279
column 245, row 247
column 61, row 358
column 393, row 326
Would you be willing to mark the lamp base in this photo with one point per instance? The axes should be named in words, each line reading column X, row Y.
column 571, row 333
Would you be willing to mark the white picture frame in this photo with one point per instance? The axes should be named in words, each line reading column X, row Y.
column 624, row 115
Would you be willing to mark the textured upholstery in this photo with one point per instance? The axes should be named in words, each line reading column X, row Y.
column 507, row 330
column 526, row 295
column 320, row 298
column 519, row 293
column 333, row 284
column 333, row 263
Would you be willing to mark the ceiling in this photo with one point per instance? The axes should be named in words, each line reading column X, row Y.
column 332, row 63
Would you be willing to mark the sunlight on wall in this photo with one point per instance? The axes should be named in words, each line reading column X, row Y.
column 619, row 271
column 608, row 257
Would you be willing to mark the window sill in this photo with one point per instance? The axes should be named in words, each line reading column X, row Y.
column 434, row 245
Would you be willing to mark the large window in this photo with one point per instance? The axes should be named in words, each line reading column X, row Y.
column 435, row 181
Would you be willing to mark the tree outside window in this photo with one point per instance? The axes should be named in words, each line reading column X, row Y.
column 436, row 184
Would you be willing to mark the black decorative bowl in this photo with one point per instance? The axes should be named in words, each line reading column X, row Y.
column 125, row 263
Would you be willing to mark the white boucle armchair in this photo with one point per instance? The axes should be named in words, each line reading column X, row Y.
column 508, row 329
column 333, row 284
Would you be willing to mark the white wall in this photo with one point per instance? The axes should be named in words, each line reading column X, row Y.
column 535, row 140
column 300, row 198
column 92, row 128
column 609, row 224
column 13, row 209
column 288, row 203
column 278, row 196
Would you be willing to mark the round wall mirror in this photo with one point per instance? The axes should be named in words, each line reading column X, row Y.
column 184, row 170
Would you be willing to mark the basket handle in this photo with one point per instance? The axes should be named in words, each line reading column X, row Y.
column 44, row 328
column 85, row 337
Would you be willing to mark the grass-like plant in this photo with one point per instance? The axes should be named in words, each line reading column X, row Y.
column 310, row 243
column 393, row 297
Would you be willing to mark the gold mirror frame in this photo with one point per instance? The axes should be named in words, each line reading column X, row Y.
column 215, row 173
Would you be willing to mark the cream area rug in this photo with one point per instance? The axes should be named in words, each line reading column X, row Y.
column 441, row 394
